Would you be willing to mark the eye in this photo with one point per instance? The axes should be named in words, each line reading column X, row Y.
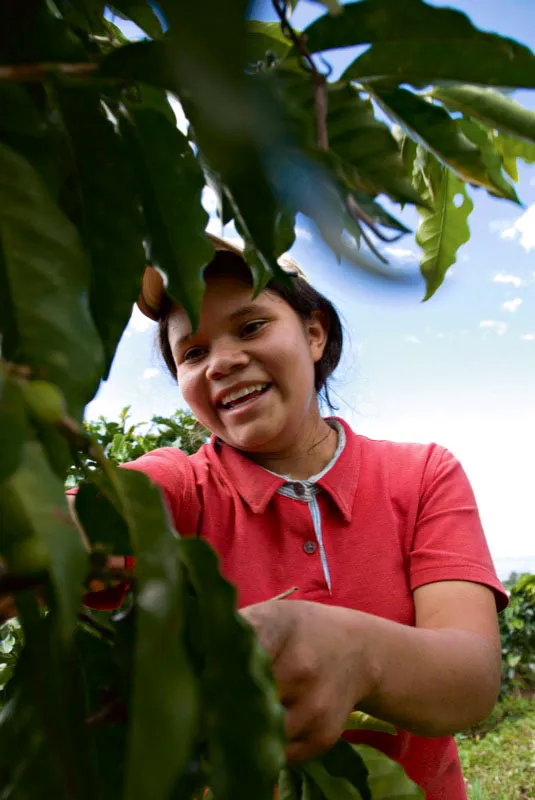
column 253, row 327
column 194, row 354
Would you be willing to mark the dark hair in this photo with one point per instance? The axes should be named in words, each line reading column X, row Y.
column 297, row 292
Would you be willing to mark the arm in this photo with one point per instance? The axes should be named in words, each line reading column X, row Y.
column 444, row 674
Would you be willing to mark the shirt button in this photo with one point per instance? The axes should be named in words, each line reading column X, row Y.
column 299, row 489
column 309, row 547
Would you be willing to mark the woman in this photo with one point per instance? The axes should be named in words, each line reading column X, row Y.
column 395, row 607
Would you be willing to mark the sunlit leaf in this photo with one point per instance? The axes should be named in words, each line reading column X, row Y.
column 172, row 183
column 164, row 702
column 414, row 42
column 358, row 721
column 242, row 714
column 493, row 108
column 386, row 778
column 433, row 127
column 444, row 229
column 47, row 279
column 481, row 136
column 263, row 37
column 510, row 147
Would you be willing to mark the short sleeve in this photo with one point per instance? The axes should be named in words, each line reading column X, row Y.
column 449, row 542
column 172, row 470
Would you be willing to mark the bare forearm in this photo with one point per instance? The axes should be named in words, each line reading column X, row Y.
column 430, row 682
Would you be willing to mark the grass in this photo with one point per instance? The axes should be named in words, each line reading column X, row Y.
column 498, row 756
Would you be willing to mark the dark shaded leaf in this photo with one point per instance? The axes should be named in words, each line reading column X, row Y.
column 108, row 213
column 492, row 108
column 102, row 523
column 87, row 15
column 480, row 135
column 37, row 34
column 47, row 283
column 141, row 13
column 45, row 719
column 330, row 786
column 414, row 42
column 165, row 694
column 387, row 779
column 13, row 426
column 172, row 183
column 433, row 127
column 243, row 717
column 378, row 214
column 38, row 534
column 341, row 761
column 444, row 229
column 290, row 784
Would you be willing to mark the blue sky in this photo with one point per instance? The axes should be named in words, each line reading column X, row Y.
column 458, row 370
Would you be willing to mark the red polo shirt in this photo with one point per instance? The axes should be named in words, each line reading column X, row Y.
column 393, row 517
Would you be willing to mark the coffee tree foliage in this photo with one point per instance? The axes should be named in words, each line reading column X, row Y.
column 170, row 692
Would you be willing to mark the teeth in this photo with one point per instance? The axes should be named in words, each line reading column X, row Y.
column 232, row 396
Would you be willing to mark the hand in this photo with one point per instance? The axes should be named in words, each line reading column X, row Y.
column 319, row 664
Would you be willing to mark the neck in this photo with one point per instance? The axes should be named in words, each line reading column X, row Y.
column 305, row 457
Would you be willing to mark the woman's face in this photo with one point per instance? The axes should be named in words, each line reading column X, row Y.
column 247, row 373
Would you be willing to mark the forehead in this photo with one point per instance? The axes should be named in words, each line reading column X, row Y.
column 226, row 299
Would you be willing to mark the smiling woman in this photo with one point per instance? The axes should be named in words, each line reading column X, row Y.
column 395, row 598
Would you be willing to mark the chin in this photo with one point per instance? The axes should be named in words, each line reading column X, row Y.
column 254, row 438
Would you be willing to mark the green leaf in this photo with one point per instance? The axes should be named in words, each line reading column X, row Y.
column 342, row 762
column 378, row 214
column 432, row 127
column 108, row 213
column 413, row 42
column 512, row 148
column 102, row 523
column 165, row 695
column 480, row 135
column 45, row 747
column 359, row 721
column 47, row 280
column 263, row 37
column 289, row 784
column 366, row 145
column 243, row 720
column 387, row 779
column 331, row 787
column 13, row 425
column 141, row 13
column 38, row 534
column 172, row 183
column 494, row 109
column 444, row 229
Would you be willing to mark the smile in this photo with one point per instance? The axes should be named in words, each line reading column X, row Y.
column 243, row 395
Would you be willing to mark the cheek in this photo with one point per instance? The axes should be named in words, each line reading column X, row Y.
column 193, row 392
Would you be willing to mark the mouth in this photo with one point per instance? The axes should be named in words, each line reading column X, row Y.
column 244, row 396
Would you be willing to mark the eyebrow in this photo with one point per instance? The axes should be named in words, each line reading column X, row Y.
column 244, row 311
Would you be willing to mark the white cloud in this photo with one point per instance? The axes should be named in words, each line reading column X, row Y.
column 139, row 322
column 528, row 337
column 303, row 233
column 209, row 200
column 512, row 305
column 500, row 225
column 523, row 228
column 402, row 253
column 150, row 372
column 411, row 339
column 493, row 325
column 506, row 277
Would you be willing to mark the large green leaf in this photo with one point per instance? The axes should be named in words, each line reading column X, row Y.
column 141, row 13
column 330, row 786
column 45, row 747
column 415, row 42
column 433, row 127
column 386, row 778
column 165, row 697
column 242, row 714
column 47, row 281
column 13, row 425
column 481, row 136
column 343, row 764
column 444, row 229
column 172, row 183
column 493, row 108
column 107, row 213
column 38, row 534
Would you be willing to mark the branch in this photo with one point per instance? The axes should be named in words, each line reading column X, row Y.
column 37, row 72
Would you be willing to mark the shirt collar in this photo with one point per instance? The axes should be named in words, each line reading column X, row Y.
column 256, row 485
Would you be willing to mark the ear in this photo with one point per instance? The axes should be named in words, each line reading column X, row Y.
column 317, row 330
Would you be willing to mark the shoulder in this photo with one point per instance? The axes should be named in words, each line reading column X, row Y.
column 396, row 455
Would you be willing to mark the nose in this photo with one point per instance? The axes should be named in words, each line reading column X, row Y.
column 225, row 358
